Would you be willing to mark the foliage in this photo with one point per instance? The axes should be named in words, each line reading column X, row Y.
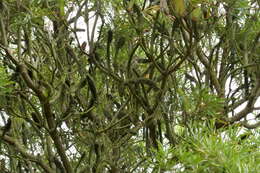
column 5, row 82
column 212, row 153
column 203, row 150
column 129, row 86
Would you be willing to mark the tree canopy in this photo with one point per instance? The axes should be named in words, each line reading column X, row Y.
column 129, row 86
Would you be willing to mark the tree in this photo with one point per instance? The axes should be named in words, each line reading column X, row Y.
column 148, row 87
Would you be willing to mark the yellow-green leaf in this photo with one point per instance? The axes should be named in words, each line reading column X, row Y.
column 179, row 7
column 61, row 4
column 196, row 14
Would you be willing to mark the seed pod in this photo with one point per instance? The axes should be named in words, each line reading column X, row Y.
column 109, row 36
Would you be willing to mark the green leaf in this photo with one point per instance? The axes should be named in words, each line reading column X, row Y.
column 5, row 83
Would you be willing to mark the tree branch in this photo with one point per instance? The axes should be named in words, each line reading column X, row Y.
column 24, row 153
